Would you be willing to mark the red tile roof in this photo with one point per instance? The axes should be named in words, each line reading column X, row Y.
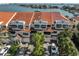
column 56, row 16
column 50, row 17
column 25, row 16
column 29, row 17
column 5, row 17
column 47, row 17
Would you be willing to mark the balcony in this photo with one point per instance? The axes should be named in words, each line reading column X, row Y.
column 58, row 26
column 54, row 33
column 61, row 26
column 24, row 34
column 17, row 25
column 65, row 26
column 43, row 26
column 47, row 36
column 39, row 27
column 39, row 24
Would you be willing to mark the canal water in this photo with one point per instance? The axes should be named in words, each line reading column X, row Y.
column 17, row 8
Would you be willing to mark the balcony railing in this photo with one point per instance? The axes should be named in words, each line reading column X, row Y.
column 24, row 34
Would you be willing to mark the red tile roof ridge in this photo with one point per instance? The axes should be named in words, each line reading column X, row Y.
column 11, row 18
column 5, row 16
column 32, row 18
column 64, row 17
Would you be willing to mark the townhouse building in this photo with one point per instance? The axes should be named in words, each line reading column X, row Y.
column 26, row 23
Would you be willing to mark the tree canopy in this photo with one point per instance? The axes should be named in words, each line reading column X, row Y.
column 66, row 46
column 38, row 39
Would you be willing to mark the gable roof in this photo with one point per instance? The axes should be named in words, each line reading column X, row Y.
column 56, row 16
column 5, row 17
column 25, row 16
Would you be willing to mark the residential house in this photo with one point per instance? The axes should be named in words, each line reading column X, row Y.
column 59, row 22
column 26, row 23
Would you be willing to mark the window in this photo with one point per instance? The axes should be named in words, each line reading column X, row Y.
column 25, row 33
column 43, row 26
column 58, row 25
column 53, row 48
column 65, row 26
column 37, row 26
column 20, row 26
column 13, row 26
column 13, row 32
column 48, row 25
column 27, row 26
column 47, row 33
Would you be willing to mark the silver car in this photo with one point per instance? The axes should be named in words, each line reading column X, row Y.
column 54, row 49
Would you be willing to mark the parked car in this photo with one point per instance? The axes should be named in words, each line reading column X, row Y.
column 54, row 49
column 21, row 52
column 4, row 50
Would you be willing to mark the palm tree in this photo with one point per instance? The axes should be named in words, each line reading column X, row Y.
column 14, row 48
column 65, row 44
column 38, row 39
column 38, row 51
